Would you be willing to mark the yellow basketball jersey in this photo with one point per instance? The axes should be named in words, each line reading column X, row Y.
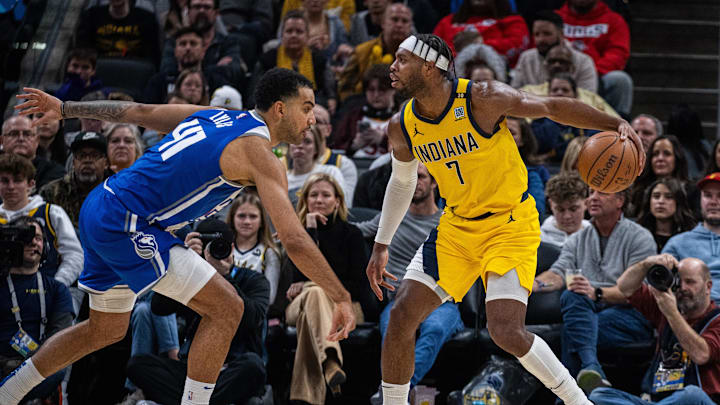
column 476, row 172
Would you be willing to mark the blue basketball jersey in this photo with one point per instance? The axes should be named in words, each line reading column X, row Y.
column 179, row 180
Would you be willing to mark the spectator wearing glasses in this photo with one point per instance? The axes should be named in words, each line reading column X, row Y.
column 20, row 137
column 90, row 165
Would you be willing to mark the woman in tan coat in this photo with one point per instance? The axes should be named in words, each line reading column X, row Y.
column 318, row 362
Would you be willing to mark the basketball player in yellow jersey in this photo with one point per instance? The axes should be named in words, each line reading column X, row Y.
column 490, row 226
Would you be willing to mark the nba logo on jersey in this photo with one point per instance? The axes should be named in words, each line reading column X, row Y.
column 459, row 113
column 145, row 245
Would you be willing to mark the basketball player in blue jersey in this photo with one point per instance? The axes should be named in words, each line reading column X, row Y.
column 489, row 227
column 127, row 223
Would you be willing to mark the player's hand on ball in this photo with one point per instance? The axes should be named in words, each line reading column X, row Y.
column 343, row 321
column 376, row 272
column 626, row 131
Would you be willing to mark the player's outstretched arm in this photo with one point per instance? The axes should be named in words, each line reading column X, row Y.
column 160, row 117
column 398, row 196
column 565, row 110
column 264, row 169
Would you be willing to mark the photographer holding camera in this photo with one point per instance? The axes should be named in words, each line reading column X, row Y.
column 242, row 378
column 33, row 305
column 63, row 258
column 686, row 365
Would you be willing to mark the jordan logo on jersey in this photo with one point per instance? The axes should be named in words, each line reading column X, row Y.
column 417, row 132
column 511, row 219
column 145, row 245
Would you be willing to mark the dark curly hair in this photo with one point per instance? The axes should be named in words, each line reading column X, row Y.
column 278, row 84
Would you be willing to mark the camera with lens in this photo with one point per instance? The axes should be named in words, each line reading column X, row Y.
column 12, row 244
column 219, row 247
column 662, row 278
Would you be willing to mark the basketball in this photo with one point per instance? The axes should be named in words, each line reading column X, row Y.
column 607, row 164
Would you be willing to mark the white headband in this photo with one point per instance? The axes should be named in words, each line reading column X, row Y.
column 425, row 52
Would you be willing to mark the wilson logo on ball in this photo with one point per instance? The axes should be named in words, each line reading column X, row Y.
column 602, row 172
column 608, row 164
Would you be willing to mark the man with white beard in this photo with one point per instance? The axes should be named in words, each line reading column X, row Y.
column 89, row 169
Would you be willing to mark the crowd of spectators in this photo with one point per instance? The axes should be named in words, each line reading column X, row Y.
column 211, row 52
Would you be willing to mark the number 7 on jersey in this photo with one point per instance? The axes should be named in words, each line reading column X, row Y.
column 455, row 163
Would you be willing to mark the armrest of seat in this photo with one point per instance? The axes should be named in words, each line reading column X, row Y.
column 544, row 308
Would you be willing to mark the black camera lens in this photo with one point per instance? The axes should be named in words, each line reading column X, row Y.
column 661, row 278
column 220, row 249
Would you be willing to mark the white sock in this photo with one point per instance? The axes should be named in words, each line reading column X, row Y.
column 18, row 383
column 543, row 364
column 395, row 394
column 196, row 392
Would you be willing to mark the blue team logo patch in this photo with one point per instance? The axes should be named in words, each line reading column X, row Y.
column 459, row 113
column 145, row 245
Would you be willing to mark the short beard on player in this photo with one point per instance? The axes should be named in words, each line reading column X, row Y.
column 412, row 86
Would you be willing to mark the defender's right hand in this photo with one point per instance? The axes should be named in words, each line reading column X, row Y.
column 376, row 270
column 37, row 101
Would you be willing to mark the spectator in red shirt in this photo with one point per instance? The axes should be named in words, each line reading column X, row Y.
column 688, row 325
column 507, row 33
column 593, row 28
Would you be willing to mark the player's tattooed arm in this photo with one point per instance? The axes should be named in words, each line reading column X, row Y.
column 112, row 111
column 160, row 117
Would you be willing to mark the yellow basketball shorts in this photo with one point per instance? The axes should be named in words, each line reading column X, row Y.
column 460, row 250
